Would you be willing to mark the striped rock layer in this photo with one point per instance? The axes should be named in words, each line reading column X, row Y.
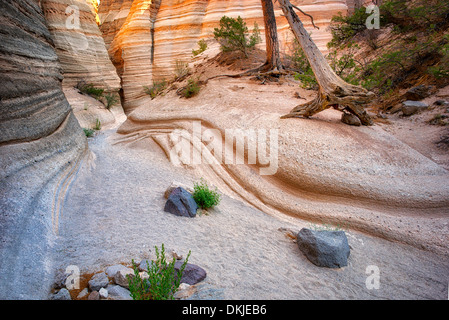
column 145, row 38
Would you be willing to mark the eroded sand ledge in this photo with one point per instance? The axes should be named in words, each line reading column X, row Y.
column 328, row 172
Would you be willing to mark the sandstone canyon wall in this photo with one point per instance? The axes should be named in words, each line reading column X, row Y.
column 84, row 59
column 145, row 38
column 41, row 144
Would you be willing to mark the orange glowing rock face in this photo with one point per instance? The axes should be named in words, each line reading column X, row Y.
column 145, row 38
column 79, row 43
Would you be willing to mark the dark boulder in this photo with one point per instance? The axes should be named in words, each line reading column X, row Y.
column 181, row 203
column 192, row 273
column 324, row 248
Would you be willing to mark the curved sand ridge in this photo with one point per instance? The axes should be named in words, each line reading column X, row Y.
column 327, row 172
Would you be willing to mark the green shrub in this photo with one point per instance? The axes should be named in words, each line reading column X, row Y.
column 90, row 90
column 111, row 100
column 97, row 125
column 205, row 197
column 191, row 89
column 163, row 280
column 233, row 35
column 88, row 132
column 345, row 27
column 156, row 88
column 202, row 44
column 302, row 67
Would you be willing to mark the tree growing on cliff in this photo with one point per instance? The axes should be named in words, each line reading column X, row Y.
column 233, row 35
column 333, row 91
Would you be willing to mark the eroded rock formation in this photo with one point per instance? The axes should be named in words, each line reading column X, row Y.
column 145, row 38
column 41, row 144
column 84, row 59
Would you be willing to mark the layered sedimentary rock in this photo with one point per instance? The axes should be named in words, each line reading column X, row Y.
column 41, row 144
column 84, row 58
column 145, row 38
column 79, row 44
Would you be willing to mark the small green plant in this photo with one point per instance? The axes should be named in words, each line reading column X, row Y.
column 191, row 89
column 233, row 35
column 97, row 125
column 181, row 69
column 88, row 132
column 163, row 280
column 111, row 100
column 156, row 89
column 90, row 90
column 202, row 44
column 204, row 196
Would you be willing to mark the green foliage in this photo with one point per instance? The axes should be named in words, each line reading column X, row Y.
column 417, row 15
column 163, row 280
column 156, row 88
column 301, row 65
column 202, row 44
column 204, row 196
column 97, row 125
column 111, row 100
column 88, row 132
column 233, row 35
column 191, row 89
column 90, row 90
column 344, row 65
column 344, row 28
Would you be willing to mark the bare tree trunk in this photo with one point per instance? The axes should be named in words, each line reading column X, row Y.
column 334, row 91
column 271, row 36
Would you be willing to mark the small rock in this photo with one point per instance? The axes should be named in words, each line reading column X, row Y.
column 103, row 293
column 205, row 291
column 83, row 293
column 144, row 275
column 121, row 277
column 418, row 93
column 181, row 203
column 192, row 273
column 350, row 119
column 118, row 293
column 441, row 103
column 62, row 294
column 94, row 295
column 411, row 107
column 143, row 265
column 98, row 281
column 184, row 291
column 175, row 185
column 112, row 270
column 324, row 248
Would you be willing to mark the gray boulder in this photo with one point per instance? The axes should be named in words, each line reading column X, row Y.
column 98, row 281
column 411, row 107
column 324, row 248
column 181, row 203
column 116, row 292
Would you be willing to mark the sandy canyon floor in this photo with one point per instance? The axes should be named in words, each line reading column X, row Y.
column 113, row 212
